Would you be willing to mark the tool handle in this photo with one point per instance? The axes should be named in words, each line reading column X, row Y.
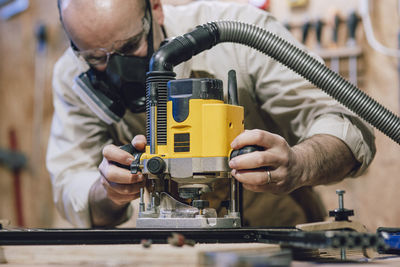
column 245, row 150
column 305, row 29
column 135, row 165
column 319, row 24
column 352, row 22
column 336, row 23
column 41, row 36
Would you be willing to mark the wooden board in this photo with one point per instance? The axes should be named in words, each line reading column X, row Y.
column 122, row 255
column 373, row 195
column 161, row 255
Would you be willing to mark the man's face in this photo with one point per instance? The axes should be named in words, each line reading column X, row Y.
column 99, row 28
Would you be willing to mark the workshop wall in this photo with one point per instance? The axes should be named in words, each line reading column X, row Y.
column 18, row 78
column 373, row 196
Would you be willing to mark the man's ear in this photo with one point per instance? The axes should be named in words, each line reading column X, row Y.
column 158, row 14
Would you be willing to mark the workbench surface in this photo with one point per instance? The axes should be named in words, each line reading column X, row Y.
column 156, row 255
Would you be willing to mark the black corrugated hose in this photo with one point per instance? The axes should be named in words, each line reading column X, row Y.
column 206, row 36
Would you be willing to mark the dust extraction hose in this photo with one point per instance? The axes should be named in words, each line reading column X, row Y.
column 206, row 36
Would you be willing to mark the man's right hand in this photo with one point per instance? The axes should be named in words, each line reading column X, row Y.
column 120, row 184
column 110, row 196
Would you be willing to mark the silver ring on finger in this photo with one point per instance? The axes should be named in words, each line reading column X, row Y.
column 269, row 177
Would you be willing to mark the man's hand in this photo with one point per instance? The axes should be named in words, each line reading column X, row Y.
column 277, row 158
column 117, row 187
column 120, row 184
column 321, row 159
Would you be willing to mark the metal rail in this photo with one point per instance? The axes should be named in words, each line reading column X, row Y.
column 282, row 236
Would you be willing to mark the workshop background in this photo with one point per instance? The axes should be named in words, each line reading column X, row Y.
column 32, row 40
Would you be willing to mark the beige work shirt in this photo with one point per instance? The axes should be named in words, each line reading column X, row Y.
column 274, row 98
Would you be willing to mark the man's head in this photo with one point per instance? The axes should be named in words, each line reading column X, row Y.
column 110, row 25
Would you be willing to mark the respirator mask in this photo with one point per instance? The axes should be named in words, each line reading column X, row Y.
column 121, row 86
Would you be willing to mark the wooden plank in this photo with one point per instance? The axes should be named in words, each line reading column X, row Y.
column 121, row 255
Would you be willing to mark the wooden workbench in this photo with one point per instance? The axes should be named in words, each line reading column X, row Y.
column 137, row 255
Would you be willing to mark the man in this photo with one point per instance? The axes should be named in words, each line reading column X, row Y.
column 308, row 138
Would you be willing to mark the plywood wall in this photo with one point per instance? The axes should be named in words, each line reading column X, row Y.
column 373, row 196
column 17, row 107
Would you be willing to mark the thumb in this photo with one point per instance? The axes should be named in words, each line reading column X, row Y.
column 139, row 142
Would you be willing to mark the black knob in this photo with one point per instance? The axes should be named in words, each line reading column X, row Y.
column 245, row 150
column 135, row 165
column 156, row 165
column 341, row 214
column 200, row 204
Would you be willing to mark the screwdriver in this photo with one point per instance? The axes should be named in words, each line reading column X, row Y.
column 335, row 59
column 352, row 22
column 305, row 29
column 319, row 24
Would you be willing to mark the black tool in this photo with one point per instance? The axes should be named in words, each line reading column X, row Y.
column 319, row 24
column 305, row 30
column 335, row 40
column 135, row 165
column 352, row 22
column 39, row 96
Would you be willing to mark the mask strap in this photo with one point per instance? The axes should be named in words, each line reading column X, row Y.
column 150, row 45
column 73, row 46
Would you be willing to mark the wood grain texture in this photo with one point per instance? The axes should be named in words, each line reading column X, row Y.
column 122, row 255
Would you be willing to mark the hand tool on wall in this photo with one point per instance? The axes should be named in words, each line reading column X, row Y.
column 12, row 159
column 17, row 181
column 15, row 161
column 335, row 38
column 12, row 8
column 305, row 29
column 352, row 22
column 319, row 25
column 39, row 89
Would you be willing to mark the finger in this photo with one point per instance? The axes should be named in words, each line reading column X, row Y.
column 122, row 189
column 119, row 175
column 256, row 159
column 114, row 153
column 251, row 177
column 139, row 142
column 255, row 137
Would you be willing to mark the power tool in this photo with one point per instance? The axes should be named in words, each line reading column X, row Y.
column 190, row 128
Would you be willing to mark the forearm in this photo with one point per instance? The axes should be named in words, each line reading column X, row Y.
column 325, row 159
column 103, row 211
